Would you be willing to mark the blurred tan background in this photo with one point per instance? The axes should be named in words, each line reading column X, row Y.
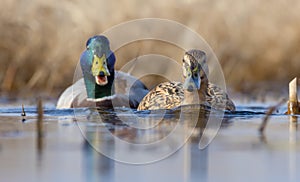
column 257, row 42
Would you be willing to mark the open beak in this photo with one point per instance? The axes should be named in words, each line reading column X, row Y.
column 192, row 81
column 100, row 70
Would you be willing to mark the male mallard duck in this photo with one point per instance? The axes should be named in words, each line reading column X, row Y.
column 101, row 83
column 169, row 95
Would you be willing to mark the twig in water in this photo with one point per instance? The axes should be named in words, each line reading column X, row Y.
column 293, row 106
column 23, row 114
column 39, row 125
column 40, row 118
column 23, row 111
column 269, row 112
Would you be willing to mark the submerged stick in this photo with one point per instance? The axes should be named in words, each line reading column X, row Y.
column 23, row 111
column 293, row 119
column 39, row 126
column 23, row 114
column 293, row 106
column 269, row 112
column 40, row 118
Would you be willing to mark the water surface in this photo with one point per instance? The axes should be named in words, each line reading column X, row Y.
column 77, row 147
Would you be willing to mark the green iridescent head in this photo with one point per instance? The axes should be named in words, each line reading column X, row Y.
column 97, row 64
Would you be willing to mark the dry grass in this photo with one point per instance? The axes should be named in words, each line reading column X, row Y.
column 257, row 42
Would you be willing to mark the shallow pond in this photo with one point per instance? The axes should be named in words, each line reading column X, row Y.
column 79, row 145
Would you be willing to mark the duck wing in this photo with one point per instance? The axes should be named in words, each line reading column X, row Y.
column 217, row 98
column 166, row 95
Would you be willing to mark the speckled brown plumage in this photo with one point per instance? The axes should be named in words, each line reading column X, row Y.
column 169, row 95
column 166, row 95
column 218, row 99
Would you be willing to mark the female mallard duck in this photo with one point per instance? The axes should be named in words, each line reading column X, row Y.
column 101, row 83
column 169, row 95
